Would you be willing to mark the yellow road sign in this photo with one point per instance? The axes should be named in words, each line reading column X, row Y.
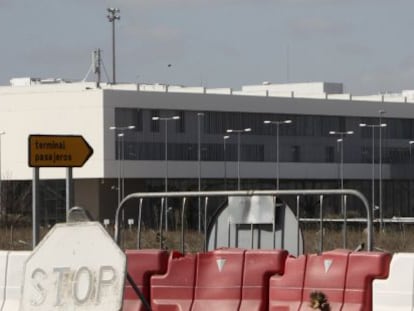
column 58, row 151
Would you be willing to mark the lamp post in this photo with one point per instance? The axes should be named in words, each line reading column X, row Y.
column 381, row 112
column 121, row 155
column 373, row 126
column 278, row 124
column 112, row 17
column 120, row 166
column 341, row 141
column 166, row 119
column 199, row 116
column 225, row 160
column 238, row 132
column 1, row 192
column 411, row 142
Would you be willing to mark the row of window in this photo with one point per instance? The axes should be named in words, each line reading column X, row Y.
column 306, row 139
column 252, row 152
column 218, row 122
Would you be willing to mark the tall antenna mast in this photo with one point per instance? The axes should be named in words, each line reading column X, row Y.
column 96, row 61
column 113, row 15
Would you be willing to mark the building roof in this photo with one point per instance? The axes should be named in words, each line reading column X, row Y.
column 311, row 90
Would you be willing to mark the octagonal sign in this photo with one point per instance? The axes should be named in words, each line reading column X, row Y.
column 77, row 266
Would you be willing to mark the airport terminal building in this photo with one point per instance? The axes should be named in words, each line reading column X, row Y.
column 143, row 135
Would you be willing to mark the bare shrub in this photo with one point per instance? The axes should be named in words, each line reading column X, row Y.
column 394, row 238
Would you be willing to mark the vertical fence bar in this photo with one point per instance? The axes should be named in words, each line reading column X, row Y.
column 228, row 234
column 161, row 220
column 251, row 235
column 183, row 225
column 139, row 223
column 345, row 233
column 205, row 224
column 298, row 217
column 321, row 223
column 274, row 222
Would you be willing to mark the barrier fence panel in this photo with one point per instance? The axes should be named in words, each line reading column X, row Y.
column 299, row 194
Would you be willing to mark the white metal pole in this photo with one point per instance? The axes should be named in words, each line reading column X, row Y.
column 166, row 164
column 199, row 115
column 238, row 160
column 277, row 123
column 342, row 162
column 119, row 168
column 238, row 132
column 277, row 156
column 381, row 112
column 373, row 172
column 225, row 161
column 122, row 167
column 166, row 173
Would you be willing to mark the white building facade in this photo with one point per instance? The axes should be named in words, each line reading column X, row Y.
column 308, row 154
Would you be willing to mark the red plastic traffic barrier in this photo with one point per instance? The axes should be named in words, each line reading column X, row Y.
column 141, row 265
column 259, row 266
column 363, row 268
column 174, row 291
column 285, row 291
column 218, row 280
column 326, row 273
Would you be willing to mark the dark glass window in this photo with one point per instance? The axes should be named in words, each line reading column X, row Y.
column 180, row 124
column 329, row 154
column 155, row 124
column 295, row 153
column 127, row 117
column 306, row 132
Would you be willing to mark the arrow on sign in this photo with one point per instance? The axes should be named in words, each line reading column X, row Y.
column 58, row 151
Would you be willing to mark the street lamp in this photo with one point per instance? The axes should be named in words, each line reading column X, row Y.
column 166, row 119
column 341, row 141
column 225, row 160
column 278, row 124
column 373, row 126
column 1, row 197
column 112, row 17
column 381, row 112
column 238, row 132
column 199, row 116
column 121, row 156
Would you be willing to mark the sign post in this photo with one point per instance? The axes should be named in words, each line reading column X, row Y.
column 35, row 210
column 55, row 151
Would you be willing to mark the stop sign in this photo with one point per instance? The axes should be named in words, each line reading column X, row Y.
column 77, row 266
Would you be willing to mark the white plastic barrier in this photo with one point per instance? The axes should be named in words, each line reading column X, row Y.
column 13, row 279
column 396, row 292
column 3, row 269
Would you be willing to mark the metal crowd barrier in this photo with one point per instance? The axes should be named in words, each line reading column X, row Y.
column 322, row 193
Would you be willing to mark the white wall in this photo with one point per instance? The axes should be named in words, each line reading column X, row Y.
column 63, row 112
column 75, row 110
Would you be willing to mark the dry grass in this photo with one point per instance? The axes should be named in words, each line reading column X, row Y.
column 396, row 238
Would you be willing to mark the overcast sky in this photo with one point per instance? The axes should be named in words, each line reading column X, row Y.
column 366, row 44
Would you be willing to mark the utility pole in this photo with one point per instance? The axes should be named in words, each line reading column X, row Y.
column 112, row 17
